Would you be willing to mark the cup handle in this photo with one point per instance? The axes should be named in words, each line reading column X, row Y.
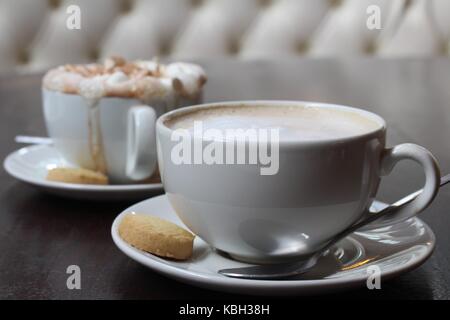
column 410, row 206
column 141, row 143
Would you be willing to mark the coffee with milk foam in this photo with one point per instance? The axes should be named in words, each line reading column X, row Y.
column 295, row 123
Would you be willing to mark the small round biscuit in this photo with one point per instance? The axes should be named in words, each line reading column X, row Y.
column 156, row 236
column 77, row 175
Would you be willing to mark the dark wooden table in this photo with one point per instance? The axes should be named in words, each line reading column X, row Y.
column 40, row 235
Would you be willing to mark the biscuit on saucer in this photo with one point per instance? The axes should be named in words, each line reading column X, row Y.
column 156, row 236
column 77, row 175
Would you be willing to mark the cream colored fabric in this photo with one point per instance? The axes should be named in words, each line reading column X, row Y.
column 33, row 33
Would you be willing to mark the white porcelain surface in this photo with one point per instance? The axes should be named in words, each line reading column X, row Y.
column 31, row 164
column 122, row 129
column 395, row 250
column 322, row 187
column 70, row 119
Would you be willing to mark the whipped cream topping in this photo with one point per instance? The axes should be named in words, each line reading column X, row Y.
column 116, row 77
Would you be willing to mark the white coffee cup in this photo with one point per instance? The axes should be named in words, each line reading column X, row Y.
column 114, row 135
column 322, row 187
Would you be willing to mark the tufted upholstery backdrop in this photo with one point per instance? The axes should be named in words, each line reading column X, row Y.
column 33, row 33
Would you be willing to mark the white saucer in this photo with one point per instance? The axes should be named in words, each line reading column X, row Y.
column 395, row 250
column 31, row 164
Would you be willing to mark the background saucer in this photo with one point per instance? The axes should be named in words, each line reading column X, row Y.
column 30, row 165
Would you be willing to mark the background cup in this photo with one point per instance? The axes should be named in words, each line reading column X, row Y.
column 322, row 188
column 122, row 131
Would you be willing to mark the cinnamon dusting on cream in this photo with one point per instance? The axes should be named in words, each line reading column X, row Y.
column 117, row 77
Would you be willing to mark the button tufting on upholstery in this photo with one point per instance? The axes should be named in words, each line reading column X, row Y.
column 303, row 47
column 197, row 3
column 165, row 48
column 371, row 48
column 408, row 3
column 444, row 49
column 94, row 54
column 335, row 3
column 126, row 6
column 234, row 47
column 265, row 3
column 54, row 4
column 23, row 57
column 33, row 34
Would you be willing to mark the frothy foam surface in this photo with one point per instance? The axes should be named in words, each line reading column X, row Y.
column 293, row 122
column 117, row 77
